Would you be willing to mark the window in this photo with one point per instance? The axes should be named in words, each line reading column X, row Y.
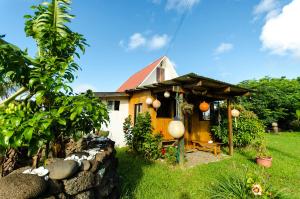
column 167, row 108
column 160, row 74
column 113, row 105
column 137, row 110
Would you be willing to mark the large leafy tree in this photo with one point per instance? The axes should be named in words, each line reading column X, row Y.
column 273, row 99
column 48, row 111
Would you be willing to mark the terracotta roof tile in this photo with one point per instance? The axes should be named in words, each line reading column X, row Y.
column 136, row 79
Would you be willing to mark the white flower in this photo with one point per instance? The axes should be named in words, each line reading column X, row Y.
column 257, row 190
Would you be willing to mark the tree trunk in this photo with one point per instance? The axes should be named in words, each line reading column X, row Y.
column 36, row 158
column 9, row 162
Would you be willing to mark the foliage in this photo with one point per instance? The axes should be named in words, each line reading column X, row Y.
column 187, row 108
column 261, row 147
column 273, row 99
column 140, row 137
column 49, row 111
column 246, row 128
column 245, row 185
column 295, row 124
column 171, row 154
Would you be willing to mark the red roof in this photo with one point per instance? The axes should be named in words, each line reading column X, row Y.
column 135, row 80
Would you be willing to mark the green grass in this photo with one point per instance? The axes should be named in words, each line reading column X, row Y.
column 142, row 179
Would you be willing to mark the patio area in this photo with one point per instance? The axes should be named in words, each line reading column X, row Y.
column 196, row 157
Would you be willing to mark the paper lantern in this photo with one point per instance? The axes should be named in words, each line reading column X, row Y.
column 176, row 128
column 166, row 94
column 235, row 113
column 156, row 104
column 204, row 106
column 149, row 101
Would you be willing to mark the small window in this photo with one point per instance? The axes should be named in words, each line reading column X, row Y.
column 113, row 105
column 167, row 108
column 137, row 110
column 110, row 105
column 117, row 105
column 160, row 74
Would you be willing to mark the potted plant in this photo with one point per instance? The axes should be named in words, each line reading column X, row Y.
column 263, row 158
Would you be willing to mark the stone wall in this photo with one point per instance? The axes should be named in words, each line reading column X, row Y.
column 93, row 176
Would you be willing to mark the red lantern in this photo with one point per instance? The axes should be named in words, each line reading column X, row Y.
column 204, row 106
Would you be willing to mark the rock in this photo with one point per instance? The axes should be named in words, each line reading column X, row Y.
column 85, row 195
column 84, row 180
column 54, row 187
column 100, row 156
column 62, row 169
column 52, row 160
column 21, row 186
column 80, row 154
column 20, row 170
column 95, row 165
column 85, row 165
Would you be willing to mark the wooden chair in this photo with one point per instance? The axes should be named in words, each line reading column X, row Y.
column 214, row 147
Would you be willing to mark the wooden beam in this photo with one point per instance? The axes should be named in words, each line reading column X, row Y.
column 227, row 89
column 230, row 134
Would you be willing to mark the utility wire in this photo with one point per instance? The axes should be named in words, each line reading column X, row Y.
column 182, row 19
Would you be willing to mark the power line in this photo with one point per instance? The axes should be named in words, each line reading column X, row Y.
column 182, row 19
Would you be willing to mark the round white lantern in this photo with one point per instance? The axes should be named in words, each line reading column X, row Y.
column 156, row 104
column 235, row 113
column 176, row 128
column 166, row 94
column 149, row 101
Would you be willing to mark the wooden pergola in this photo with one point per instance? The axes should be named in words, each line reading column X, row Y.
column 201, row 86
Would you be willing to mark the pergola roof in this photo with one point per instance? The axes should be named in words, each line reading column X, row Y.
column 198, row 85
column 111, row 94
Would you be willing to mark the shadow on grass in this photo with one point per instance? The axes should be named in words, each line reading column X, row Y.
column 130, row 169
column 282, row 153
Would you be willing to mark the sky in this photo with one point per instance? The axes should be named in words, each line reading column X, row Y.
column 228, row 40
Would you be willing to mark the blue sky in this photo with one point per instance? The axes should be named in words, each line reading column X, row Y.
column 229, row 40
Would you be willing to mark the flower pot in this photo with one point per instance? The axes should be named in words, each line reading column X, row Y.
column 264, row 161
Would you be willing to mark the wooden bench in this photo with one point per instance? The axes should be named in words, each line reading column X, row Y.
column 214, row 147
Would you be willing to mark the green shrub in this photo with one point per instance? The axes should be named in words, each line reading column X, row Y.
column 245, row 185
column 246, row 128
column 140, row 137
column 295, row 125
column 171, row 154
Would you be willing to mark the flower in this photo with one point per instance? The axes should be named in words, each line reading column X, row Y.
column 256, row 189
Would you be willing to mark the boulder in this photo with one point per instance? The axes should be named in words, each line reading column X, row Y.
column 84, row 180
column 85, row 195
column 21, row 186
column 62, row 169
column 85, row 165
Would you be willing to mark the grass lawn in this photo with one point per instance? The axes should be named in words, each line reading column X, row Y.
column 142, row 179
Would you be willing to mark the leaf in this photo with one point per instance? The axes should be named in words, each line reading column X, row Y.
column 73, row 115
column 62, row 121
column 28, row 133
column 61, row 109
column 39, row 97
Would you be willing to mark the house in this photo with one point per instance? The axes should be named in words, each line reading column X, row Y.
column 153, row 83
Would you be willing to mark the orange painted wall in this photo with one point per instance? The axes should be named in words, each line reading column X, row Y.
column 200, row 129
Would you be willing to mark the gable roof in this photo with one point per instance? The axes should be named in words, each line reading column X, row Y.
column 135, row 80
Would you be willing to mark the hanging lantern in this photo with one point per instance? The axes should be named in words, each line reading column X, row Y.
column 156, row 104
column 204, row 106
column 149, row 101
column 176, row 128
column 166, row 94
column 235, row 113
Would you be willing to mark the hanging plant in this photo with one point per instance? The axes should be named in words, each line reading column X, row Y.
column 187, row 109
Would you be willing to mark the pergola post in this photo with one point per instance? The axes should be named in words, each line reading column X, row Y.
column 181, row 140
column 230, row 134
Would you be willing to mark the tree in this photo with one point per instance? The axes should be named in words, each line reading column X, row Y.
column 49, row 112
column 273, row 99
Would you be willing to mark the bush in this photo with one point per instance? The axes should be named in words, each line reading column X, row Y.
column 246, row 128
column 295, row 125
column 140, row 137
column 171, row 154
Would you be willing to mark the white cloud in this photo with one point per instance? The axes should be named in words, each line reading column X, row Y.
column 138, row 40
column 83, row 88
column 158, row 42
column 280, row 33
column 223, row 48
column 181, row 5
column 265, row 6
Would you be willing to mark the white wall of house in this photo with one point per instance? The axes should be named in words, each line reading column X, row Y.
column 170, row 73
column 115, row 126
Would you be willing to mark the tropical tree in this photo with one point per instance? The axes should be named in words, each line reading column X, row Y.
column 49, row 112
